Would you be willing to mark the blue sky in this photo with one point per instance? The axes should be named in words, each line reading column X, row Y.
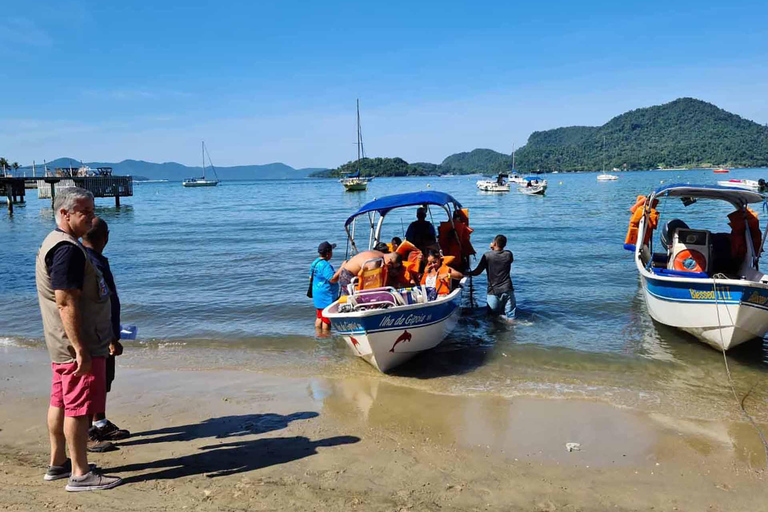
column 277, row 81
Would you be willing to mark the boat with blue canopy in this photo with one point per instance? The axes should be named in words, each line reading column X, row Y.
column 701, row 280
column 383, row 324
column 533, row 185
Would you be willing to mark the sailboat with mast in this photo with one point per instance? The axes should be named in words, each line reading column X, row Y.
column 354, row 181
column 204, row 181
column 605, row 176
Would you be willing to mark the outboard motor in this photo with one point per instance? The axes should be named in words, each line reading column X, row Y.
column 668, row 232
column 762, row 186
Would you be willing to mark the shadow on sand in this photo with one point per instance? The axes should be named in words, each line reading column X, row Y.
column 220, row 428
column 231, row 458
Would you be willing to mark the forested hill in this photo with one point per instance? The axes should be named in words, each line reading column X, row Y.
column 684, row 133
column 478, row 160
column 379, row 167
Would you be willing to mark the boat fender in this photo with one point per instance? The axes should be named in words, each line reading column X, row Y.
column 690, row 260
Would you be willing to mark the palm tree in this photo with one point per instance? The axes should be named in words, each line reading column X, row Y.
column 3, row 164
column 15, row 166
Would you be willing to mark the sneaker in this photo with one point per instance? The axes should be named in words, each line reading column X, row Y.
column 92, row 481
column 58, row 472
column 63, row 471
column 109, row 432
column 96, row 446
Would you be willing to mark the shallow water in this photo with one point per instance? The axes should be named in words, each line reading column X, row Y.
column 217, row 278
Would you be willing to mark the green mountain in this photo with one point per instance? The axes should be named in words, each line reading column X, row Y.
column 684, row 133
column 176, row 172
column 477, row 160
column 379, row 167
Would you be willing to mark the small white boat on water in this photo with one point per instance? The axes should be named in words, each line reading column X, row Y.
column 757, row 186
column 387, row 326
column 202, row 182
column 607, row 177
column 533, row 186
column 499, row 184
column 704, row 283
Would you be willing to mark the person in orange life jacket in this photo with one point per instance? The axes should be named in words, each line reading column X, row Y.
column 497, row 263
column 437, row 275
column 394, row 244
column 325, row 287
column 102, row 430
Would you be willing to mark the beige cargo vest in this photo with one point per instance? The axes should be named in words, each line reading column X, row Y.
column 95, row 326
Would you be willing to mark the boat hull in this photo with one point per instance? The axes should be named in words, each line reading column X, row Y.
column 492, row 186
column 386, row 338
column 738, row 313
column 356, row 187
column 199, row 183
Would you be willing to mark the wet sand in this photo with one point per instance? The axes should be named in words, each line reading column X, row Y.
column 242, row 440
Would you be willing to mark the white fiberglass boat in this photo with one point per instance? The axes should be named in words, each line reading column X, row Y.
column 202, row 182
column 758, row 186
column 533, row 186
column 354, row 182
column 707, row 284
column 387, row 326
column 500, row 184
column 606, row 177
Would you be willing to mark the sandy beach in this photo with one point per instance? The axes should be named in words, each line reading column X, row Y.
column 241, row 440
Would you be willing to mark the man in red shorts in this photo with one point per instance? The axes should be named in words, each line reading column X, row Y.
column 74, row 303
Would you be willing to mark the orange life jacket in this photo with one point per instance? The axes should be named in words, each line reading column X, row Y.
column 739, row 232
column 638, row 211
column 443, row 281
column 455, row 240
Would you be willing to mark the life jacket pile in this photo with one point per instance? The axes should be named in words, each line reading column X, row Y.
column 456, row 244
column 638, row 211
column 738, row 221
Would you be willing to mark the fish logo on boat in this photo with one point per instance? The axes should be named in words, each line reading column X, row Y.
column 406, row 336
column 355, row 343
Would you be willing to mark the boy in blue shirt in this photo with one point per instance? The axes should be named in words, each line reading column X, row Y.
column 325, row 284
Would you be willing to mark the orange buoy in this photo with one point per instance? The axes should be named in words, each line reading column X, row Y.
column 690, row 261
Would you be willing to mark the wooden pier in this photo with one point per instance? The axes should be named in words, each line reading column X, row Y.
column 13, row 189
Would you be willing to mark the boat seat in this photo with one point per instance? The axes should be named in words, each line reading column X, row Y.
column 376, row 298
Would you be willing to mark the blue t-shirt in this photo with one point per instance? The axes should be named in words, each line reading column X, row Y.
column 324, row 292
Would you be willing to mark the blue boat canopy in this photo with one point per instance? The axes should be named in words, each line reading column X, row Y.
column 735, row 196
column 384, row 204
column 532, row 178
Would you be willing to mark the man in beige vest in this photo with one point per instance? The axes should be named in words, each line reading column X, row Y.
column 74, row 303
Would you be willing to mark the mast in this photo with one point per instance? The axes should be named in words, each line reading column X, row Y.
column 359, row 136
column 203, row 152
column 603, row 154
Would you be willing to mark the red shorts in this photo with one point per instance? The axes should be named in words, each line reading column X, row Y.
column 321, row 317
column 80, row 396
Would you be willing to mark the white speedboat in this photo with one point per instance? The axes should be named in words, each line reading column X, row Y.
column 606, row 177
column 499, row 184
column 387, row 326
column 203, row 181
column 707, row 284
column 758, row 186
column 533, row 186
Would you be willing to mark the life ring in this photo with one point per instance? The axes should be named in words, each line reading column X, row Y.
column 690, row 261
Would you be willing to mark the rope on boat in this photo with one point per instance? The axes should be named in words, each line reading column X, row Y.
column 730, row 378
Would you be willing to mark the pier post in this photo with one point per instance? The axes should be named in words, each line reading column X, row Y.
column 10, row 205
column 53, row 194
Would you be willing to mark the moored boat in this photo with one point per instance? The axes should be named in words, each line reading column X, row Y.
column 203, row 181
column 533, row 186
column 499, row 184
column 758, row 186
column 721, row 171
column 355, row 182
column 606, row 177
column 387, row 326
column 704, row 283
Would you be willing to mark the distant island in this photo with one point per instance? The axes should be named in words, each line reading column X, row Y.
column 173, row 171
column 685, row 133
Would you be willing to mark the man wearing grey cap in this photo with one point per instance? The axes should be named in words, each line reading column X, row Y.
column 325, row 287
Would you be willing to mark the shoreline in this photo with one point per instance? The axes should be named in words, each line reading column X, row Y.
column 236, row 439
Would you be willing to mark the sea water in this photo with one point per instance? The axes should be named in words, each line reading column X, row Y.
column 217, row 277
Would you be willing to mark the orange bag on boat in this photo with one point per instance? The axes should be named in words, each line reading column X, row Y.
column 738, row 221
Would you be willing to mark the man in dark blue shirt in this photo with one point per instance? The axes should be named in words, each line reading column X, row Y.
column 95, row 241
